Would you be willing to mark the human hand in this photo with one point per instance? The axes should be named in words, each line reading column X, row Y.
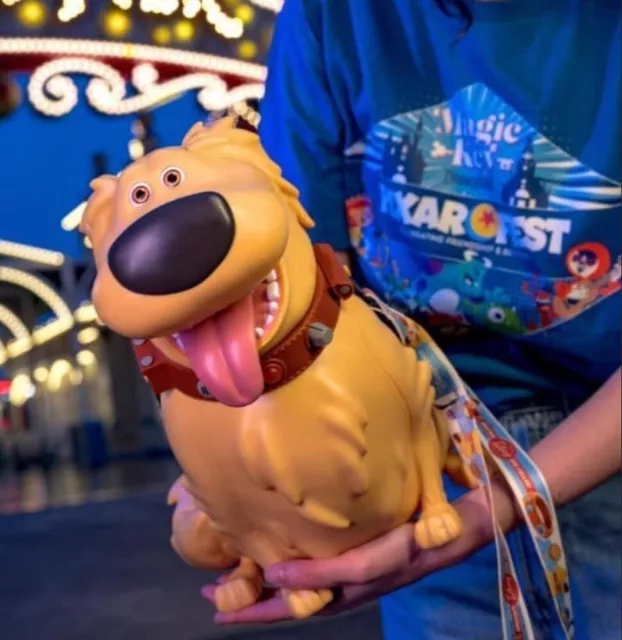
column 378, row 567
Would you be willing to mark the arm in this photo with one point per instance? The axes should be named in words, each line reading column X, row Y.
column 301, row 127
column 581, row 453
column 584, row 450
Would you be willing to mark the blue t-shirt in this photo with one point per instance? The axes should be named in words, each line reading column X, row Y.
column 476, row 176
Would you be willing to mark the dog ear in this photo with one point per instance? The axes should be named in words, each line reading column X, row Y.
column 196, row 131
column 98, row 206
column 207, row 132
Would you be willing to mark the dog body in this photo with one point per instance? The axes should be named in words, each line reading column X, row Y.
column 348, row 449
column 322, row 464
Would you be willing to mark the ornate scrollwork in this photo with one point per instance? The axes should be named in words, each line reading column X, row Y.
column 53, row 92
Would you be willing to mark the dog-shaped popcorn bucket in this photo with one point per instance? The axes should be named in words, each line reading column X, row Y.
column 301, row 411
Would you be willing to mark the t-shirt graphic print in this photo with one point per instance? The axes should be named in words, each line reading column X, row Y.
column 473, row 217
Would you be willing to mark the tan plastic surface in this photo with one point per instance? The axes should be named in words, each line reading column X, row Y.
column 344, row 453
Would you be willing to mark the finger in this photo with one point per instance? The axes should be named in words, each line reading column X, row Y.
column 209, row 592
column 355, row 595
column 176, row 491
column 385, row 555
column 173, row 493
column 271, row 610
column 351, row 596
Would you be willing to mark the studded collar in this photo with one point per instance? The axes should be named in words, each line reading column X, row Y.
column 282, row 363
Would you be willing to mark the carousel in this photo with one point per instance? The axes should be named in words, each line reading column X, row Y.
column 69, row 387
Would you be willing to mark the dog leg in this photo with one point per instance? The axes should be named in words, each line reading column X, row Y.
column 459, row 472
column 193, row 537
column 439, row 522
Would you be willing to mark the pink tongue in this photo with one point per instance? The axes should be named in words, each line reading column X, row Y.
column 223, row 353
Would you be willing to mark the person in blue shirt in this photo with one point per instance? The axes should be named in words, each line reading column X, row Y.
column 465, row 157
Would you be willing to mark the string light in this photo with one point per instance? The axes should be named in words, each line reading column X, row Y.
column 191, row 8
column 116, row 24
column 21, row 342
column 159, row 7
column 52, row 330
column 32, row 254
column 245, row 13
column 40, row 374
column 246, row 112
column 58, row 371
column 161, row 35
column 21, row 390
column 72, row 220
column 70, row 10
column 135, row 149
column 86, row 358
column 183, row 30
column 17, row 348
column 55, row 94
column 131, row 51
column 32, row 13
column 36, row 286
column 64, row 318
column 86, row 313
column 271, row 5
column 222, row 23
column 88, row 335
column 247, row 49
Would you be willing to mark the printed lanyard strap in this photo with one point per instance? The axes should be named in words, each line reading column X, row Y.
column 474, row 430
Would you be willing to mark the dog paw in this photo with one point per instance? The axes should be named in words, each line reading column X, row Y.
column 236, row 594
column 437, row 526
column 303, row 604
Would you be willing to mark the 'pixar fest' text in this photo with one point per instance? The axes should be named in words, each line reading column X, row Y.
column 454, row 218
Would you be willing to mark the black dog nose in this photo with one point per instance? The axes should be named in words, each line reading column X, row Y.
column 174, row 247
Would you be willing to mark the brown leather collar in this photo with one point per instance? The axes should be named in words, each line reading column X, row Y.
column 285, row 361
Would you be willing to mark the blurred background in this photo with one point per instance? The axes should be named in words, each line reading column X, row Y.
column 85, row 87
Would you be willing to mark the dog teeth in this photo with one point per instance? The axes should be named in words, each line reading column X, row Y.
column 273, row 291
column 272, row 295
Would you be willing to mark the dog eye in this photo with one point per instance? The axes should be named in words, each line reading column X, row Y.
column 140, row 194
column 172, row 177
